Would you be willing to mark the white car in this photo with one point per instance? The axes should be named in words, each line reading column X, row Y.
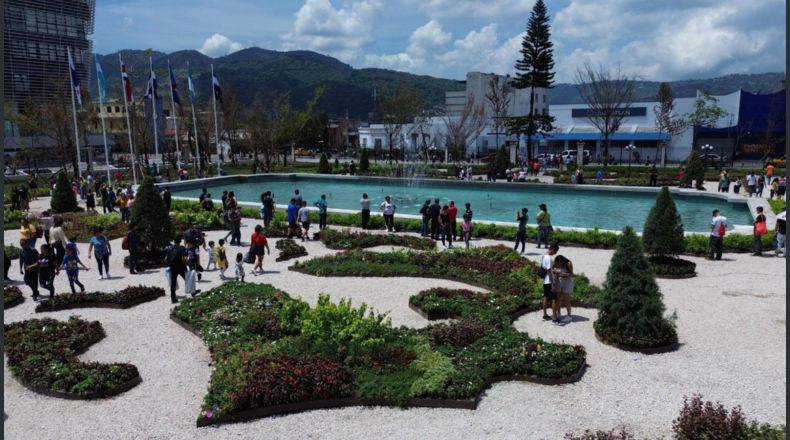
column 572, row 154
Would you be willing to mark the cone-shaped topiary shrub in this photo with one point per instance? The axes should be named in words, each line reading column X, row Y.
column 63, row 199
column 364, row 162
column 630, row 308
column 695, row 171
column 323, row 165
column 151, row 218
column 663, row 239
column 502, row 162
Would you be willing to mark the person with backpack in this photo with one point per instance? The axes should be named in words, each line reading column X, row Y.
column 100, row 248
column 718, row 228
column 425, row 211
column 760, row 229
column 131, row 243
column 544, row 225
column 176, row 262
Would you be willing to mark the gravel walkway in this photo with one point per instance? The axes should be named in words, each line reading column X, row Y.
column 733, row 335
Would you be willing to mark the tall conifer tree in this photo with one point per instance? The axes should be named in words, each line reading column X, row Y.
column 534, row 70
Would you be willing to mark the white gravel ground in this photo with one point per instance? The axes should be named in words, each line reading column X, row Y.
column 731, row 322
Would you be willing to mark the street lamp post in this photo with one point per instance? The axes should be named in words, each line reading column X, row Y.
column 630, row 147
column 705, row 149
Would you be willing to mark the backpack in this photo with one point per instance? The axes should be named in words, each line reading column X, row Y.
column 722, row 229
column 170, row 255
column 125, row 242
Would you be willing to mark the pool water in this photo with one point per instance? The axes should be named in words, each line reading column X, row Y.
column 568, row 206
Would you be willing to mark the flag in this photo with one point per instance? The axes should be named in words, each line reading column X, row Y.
column 127, row 83
column 173, row 85
column 190, row 85
column 152, row 91
column 100, row 80
column 217, row 89
column 75, row 80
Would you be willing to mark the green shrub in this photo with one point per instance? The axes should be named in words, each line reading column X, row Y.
column 151, row 218
column 364, row 162
column 630, row 309
column 663, row 230
column 502, row 162
column 11, row 252
column 323, row 165
column 63, row 198
column 777, row 206
column 695, row 171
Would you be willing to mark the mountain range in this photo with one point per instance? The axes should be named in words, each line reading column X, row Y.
column 257, row 73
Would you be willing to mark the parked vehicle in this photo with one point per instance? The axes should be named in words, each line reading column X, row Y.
column 572, row 153
column 490, row 157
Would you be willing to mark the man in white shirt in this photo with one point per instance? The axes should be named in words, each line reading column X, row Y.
column 751, row 183
column 718, row 227
column 388, row 209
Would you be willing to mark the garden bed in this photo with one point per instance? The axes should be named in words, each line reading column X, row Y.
column 42, row 355
column 12, row 296
column 669, row 267
column 273, row 355
column 123, row 299
column 12, row 252
column 644, row 347
column 289, row 249
column 345, row 240
column 498, row 268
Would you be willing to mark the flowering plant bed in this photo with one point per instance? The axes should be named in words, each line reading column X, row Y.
column 12, row 296
column 289, row 249
column 498, row 268
column 669, row 267
column 42, row 354
column 334, row 239
column 273, row 354
column 122, row 299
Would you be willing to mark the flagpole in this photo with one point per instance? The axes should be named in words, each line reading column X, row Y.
column 216, row 125
column 102, row 116
column 74, row 114
column 153, row 110
column 173, row 110
column 128, row 123
column 194, row 123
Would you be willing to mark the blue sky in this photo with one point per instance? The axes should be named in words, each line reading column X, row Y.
column 666, row 40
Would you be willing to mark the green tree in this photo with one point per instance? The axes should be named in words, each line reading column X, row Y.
column 151, row 218
column 630, row 307
column 695, row 171
column 666, row 121
column 534, row 70
column 663, row 231
column 323, row 165
column 706, row 113
column 502, row 162
column 364, row 162
column 63, row 198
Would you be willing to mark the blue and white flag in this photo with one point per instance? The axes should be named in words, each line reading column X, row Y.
column 217, row 89
column 173, row 85
column 75, row 80
column 100, row 80
column 152, row 91
column 190, row 85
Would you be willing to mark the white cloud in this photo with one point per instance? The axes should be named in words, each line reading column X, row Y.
column 219, row 45
column 340, row 32
column 426, row 37
column 127, row 24
column 472, row 8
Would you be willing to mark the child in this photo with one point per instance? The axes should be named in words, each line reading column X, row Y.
column 240, row 267
column 192, row 258
column 46, row 269
column 212, row 256
column 220, row 259
column 466, row 229
column 71, row 263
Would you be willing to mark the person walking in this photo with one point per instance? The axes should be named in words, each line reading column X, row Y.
column 444, row 225
column 425, row 211
column 434, row 211
column 321, row 205
column 167, row 198
column 259, row 245
column 718, row 228
column 268, row 208
column 71, row 263
column 521, row 233
column 28, row 259
column 453, row 211
column 760, row 186
column 47, row 269
column 760, row 229
column 562, row 284
column 221, row 258
column 751, row 183
column 239, row 267
column 101, row 249
column 28, row 232
column 781, row 234
column 292, row 215
column 234, row 218
column 466, row 229
column 388, row 210
column 304, row 219
column 90, row 201
column 133, row 244
column 123, row 202
column 549, row 297
column 544, row 225
column 176, row 262
column 736, row 185
column 57, row 237
column 111, row 200
column 364, row 205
